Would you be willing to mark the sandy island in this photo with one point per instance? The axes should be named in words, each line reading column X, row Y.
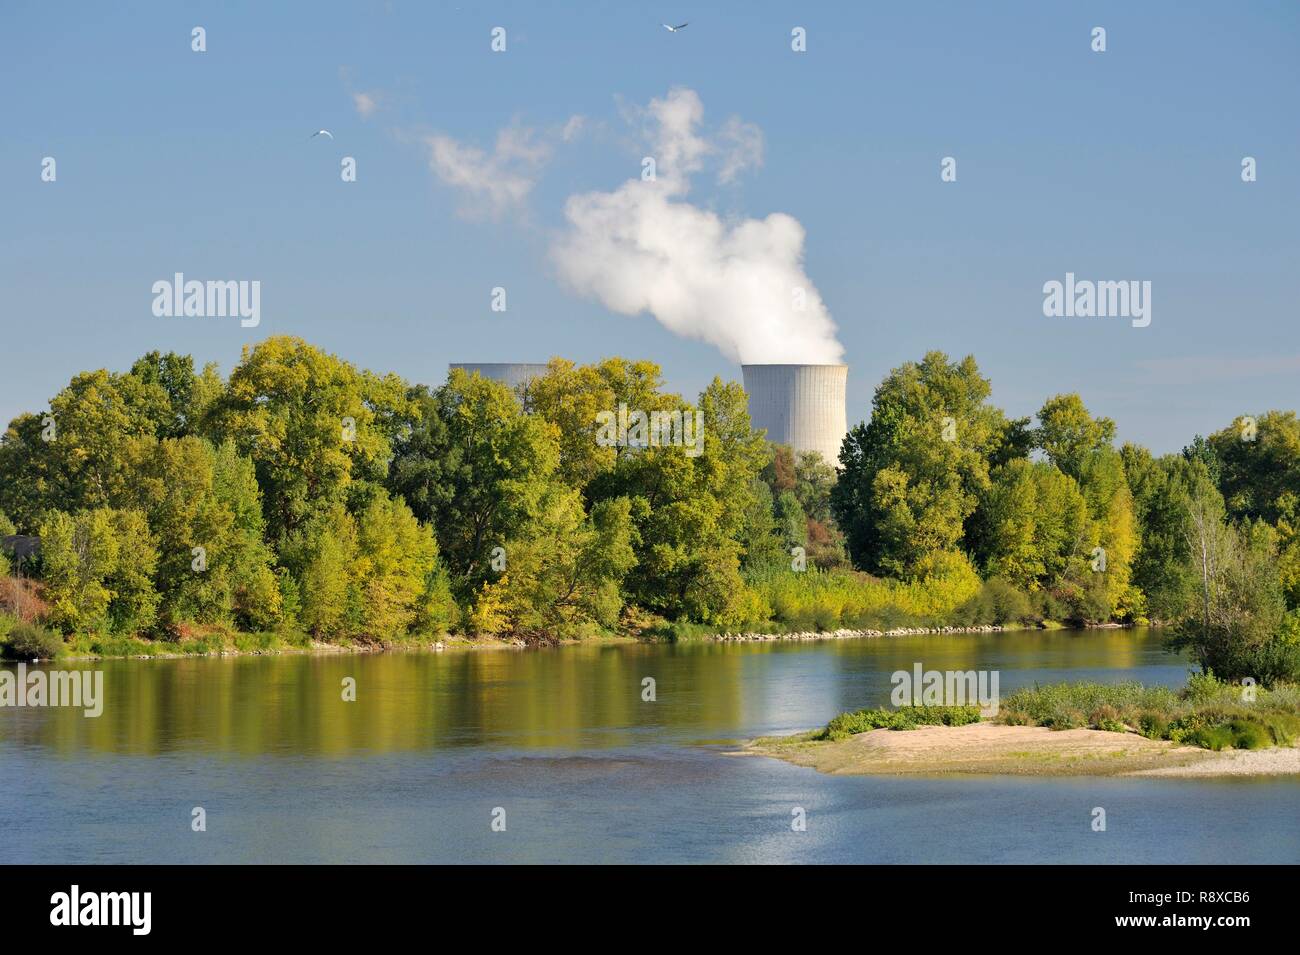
column 992, row 749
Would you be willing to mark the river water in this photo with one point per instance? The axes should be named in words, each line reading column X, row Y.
column 559, row 746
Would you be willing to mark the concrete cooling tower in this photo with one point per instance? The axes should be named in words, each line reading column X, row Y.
column 799, row 405
column 510, row 374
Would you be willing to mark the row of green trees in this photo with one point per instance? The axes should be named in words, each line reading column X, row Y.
column 302, row 493
column 1206, row 539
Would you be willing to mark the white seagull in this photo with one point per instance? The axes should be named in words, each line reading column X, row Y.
column 680, row 26
column 321, row 132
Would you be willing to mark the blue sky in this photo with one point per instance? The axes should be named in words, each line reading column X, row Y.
column 1115, row 166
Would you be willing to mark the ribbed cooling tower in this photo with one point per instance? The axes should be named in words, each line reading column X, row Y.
column 510, row 374
column 799, row 405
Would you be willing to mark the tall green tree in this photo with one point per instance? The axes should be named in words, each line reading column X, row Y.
column 1163, row 489
column 204, row 508
column 97, row 568
column 302, row 416
column 396, row 569
column 763, row 545
column 564, row 575
column 733, row 455
column 1237, row 626
column 1069, row 434
column 1201, row 450
column 374, row 577
column 476, row 467
column 691, row 511
column 69, row 458
column 1259, row 475
column 1081, row 447
column 912, row 476
column 1259, row 464
column 1032, row 521
column 813, row 481
column 570, row 397
column 188, row 394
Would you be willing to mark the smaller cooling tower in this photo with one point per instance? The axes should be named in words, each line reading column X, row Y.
column 799, row 405
column 510, row 374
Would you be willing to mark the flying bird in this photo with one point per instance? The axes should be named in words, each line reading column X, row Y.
column 680, row 26
column 321, row 132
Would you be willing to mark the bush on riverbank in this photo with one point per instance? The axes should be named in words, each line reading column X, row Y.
column 951, row 594
column 28, row 641
column 1207, row 712
column 903, row 718
column 211, row 640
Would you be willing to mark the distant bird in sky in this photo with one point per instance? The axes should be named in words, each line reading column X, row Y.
column 680, row 26
column 321, row 132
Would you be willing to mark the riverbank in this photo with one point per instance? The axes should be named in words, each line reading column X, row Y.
column 845, row 634
column 162, row 650
column 219, row 644
column 987, row 748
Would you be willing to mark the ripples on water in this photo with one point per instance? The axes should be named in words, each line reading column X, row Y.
column 585, row 770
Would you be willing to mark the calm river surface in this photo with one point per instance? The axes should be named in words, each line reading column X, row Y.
column 584, row 769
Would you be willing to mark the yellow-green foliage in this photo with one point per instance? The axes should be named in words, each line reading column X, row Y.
column 98, row 568
column 6, row 528
column 564, row 578
column 1207, row 712
column 830, row 600
column 372, row 577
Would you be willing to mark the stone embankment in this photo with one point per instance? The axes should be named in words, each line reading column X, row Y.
column 849, row 634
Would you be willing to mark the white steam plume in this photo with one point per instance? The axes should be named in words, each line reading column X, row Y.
column 738, row 285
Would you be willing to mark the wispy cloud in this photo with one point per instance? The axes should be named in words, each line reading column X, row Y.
column 497, row 181
column 493, row 182
column 742, row 148
column 573, row 128
column 673, row 128
column 367, row 104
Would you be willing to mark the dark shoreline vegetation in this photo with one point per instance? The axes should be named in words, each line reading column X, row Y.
column 302, row 502
column 1208, row 713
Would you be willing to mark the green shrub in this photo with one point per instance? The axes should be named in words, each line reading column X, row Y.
column 997, row 602
column 1207, row 712
column 850, row 724
column 1204, row 688
column 1208, row 737
column 1248, row 734
column 826, row 617
column 1284, row 697
column 1254, row 730
column 28, row 641
column 1153, row 725
column 1069, row 718
column 1285, row 728
column 1076, row 705
column 903, row 718
column 1107, row 717
column 679, row 631
column 827, row 600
